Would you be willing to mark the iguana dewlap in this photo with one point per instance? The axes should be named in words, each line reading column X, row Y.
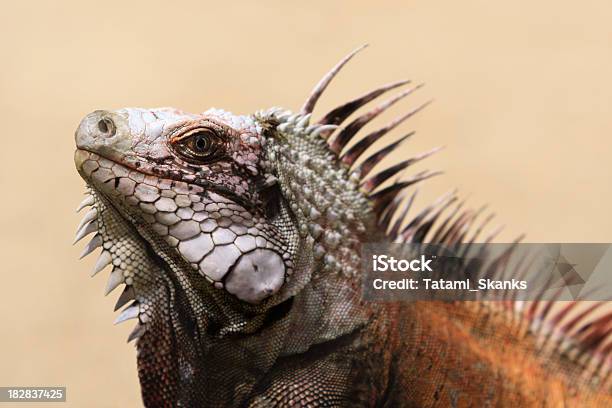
column 237, row 239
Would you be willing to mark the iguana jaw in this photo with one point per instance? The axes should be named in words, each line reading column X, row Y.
column 140, row 260
column 212, row 238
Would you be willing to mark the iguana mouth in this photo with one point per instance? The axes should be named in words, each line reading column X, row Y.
column 83, row 154
column 199, row 230
column 128, row 244
column 105, row 187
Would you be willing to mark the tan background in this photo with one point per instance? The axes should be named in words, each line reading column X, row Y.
column 522, row 90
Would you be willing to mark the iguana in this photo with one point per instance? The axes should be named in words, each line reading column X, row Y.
column 237, row 240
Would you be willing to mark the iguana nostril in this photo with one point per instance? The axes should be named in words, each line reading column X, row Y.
column 106, row 127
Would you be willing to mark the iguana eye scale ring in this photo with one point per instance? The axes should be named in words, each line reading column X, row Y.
column 199, row 146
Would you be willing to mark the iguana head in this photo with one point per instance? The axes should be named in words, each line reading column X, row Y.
column 199, row 187
column 236, row 213
column 226, row 229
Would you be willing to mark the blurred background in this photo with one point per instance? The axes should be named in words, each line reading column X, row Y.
column 522, row 103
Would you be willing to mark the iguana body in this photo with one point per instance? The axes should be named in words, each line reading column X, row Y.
column 238, row 241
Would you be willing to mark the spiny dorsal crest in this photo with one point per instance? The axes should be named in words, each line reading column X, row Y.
column 573, row 332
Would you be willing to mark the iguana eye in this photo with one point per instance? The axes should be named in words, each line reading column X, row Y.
column 200, row 142
column 200, row 146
